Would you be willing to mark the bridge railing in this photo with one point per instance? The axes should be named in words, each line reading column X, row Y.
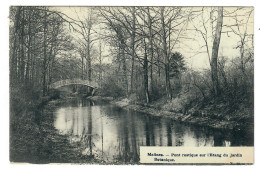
column 75, row 82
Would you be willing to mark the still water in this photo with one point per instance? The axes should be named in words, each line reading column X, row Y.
column 106, row 132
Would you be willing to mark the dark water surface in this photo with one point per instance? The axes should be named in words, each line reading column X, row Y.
column 106, row 132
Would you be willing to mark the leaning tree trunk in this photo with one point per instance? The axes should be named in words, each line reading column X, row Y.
column 214, row 59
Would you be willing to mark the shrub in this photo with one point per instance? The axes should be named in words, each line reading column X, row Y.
column 110, row 88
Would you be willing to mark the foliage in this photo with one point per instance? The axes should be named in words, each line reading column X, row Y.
column 177, row 64
column 110, row 87
column 236, row 87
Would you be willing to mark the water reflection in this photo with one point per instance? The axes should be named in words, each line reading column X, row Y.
column 112, row 134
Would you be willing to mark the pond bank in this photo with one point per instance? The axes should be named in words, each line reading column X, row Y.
column 196, row 117
column 33, row 138
column 36, row 140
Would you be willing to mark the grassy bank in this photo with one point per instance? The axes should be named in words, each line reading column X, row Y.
column 33, row 138
column 215, row 114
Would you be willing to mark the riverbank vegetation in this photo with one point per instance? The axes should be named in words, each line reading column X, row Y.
column 198, row 61
column 150, row 70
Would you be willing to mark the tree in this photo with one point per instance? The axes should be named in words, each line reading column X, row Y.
column 173, row 20
column 133, row 47
column 210, row 25
column 85, row 29
column 177, row 64
column 215, row 48
column 121, row 34
column 37, row 38
column 241, row 29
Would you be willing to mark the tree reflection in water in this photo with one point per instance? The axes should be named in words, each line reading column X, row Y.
column 111, row 134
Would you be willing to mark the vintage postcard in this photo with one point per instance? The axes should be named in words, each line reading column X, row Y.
column 131, row 85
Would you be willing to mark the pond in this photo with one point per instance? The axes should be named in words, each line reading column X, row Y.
column 112, row 134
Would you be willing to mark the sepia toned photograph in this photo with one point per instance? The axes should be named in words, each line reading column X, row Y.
column 92, row 85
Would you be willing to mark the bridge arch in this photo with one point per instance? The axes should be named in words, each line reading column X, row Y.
column 67, row 82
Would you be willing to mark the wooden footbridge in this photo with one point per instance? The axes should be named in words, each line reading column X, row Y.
column 67, row 82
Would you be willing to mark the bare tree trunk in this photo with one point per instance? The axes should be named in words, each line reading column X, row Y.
column 44, row 55
column 29, row 50
column 22, row 57
column 145, row 67
column 119, row 64
column 214, row 59
column 14, row 48
column 82, row 68
column 124, row 66
column 242, row 53
column 88, row 55
column 100, row 63
column 166, row 58
column 33, row 64
column 151, row 48
column 51, row 67
column 133, row 49
column 158, row 62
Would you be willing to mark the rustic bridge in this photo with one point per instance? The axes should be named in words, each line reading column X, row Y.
column 61, row 83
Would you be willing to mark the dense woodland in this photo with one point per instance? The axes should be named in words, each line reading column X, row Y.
column 47, row 45
column 136, row 53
